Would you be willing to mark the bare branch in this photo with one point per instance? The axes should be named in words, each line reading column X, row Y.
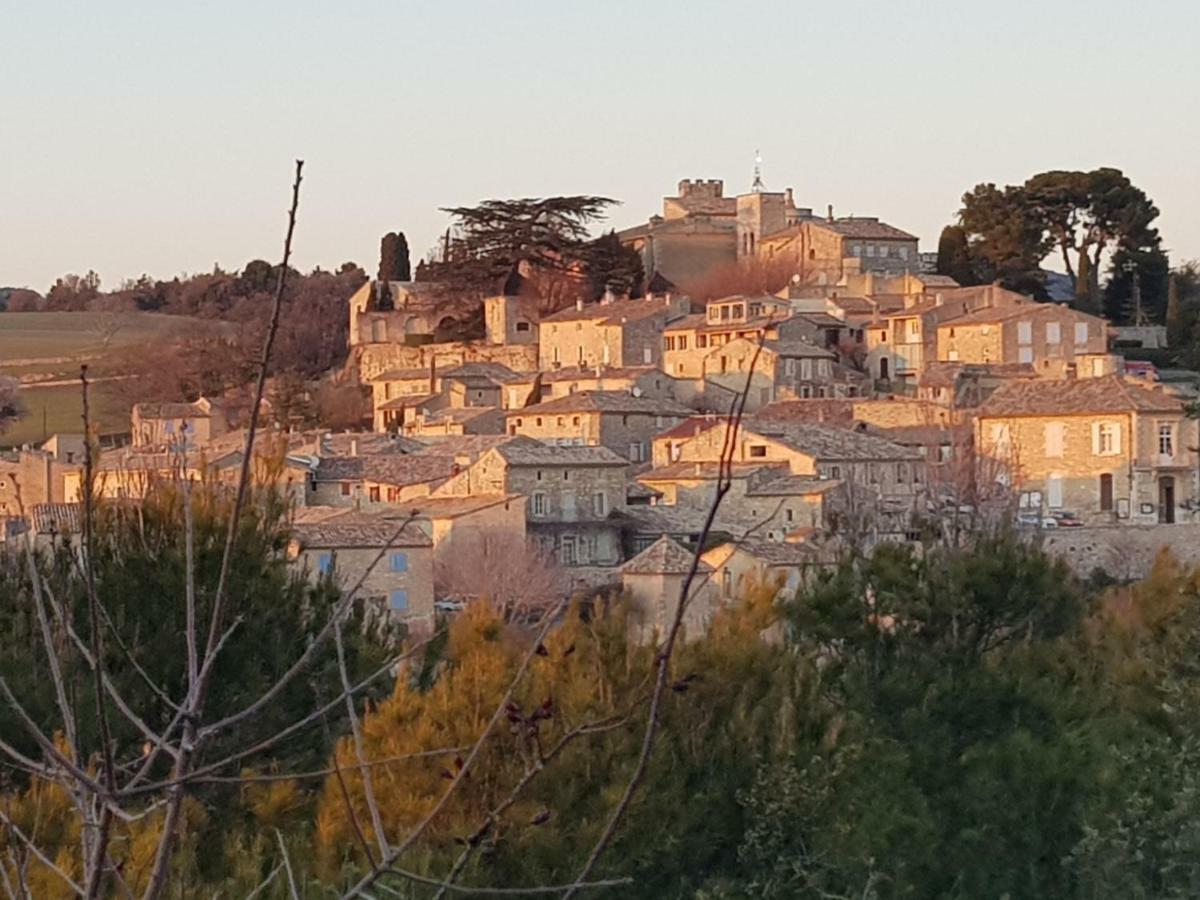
column 36, row 851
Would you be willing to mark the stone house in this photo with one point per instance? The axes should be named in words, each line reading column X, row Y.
column 394, row 312
column 646, row 381
column 1107, row 449
column 345, row 546
column 454, row 523
column 574, row 495
column 1051, row 337
column 958, row 385
column 654, row 581
column 901, row 343
column 617, row 420
column 829, row 248
column 740, row 566
column 373, row 482
column 783, row 370
column 510, row 320
column 456, row 421
column 688, row 341
column 32, row 477
column 617, row 333
column 182, row 425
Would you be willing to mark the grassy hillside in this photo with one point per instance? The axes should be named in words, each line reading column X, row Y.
column 45, row 349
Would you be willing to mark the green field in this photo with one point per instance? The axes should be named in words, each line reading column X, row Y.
column 37, row 347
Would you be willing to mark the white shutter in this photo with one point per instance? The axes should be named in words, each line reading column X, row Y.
column 1053, row 335
column 1054, row 439
column 1081, row 332
column 1025, row 354
column 1024, row 332
column 1096, row 438
column 1116, row 445
column 1054, row 491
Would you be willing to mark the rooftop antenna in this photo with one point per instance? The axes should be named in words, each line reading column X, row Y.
column 757, row 186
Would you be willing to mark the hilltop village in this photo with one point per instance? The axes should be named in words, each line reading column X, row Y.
column 582, row 448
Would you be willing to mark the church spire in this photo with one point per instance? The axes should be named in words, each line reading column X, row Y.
column 757, row 186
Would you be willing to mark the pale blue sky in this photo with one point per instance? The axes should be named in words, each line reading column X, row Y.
column 158, row 137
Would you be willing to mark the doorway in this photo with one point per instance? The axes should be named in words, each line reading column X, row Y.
column 883, row 369
column 1166, row 500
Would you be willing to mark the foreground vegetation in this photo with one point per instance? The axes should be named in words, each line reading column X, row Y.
column 962, row 724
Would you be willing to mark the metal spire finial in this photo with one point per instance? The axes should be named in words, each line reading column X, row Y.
column 757, row 186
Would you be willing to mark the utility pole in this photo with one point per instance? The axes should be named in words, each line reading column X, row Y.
column 1139, row 316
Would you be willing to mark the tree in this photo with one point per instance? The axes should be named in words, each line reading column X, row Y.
column 1007, row 243
column 611, row 266
column 10, row 401
column 1152, row 270
column 498, row 239
column 954, row 256
column 1177, row 330
column 394, row 264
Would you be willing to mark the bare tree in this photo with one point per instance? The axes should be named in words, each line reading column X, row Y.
column 515, row 575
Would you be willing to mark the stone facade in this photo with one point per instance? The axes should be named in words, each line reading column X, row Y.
column 1053, row 339
column 621, row 333
column 612, row 419
column 32, row 477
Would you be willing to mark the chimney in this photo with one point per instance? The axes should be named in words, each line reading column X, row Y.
column 787, row 198
column 829, row 212
column 579, row 305
column 667, row 298
column 608, row 296
column 354, row 446
column 697, row 469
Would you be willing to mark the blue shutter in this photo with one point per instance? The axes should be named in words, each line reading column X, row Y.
column 399, row 562
column 399, row 600
column 324, row 563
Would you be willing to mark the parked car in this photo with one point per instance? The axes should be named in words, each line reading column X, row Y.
column 1067, row 519
column 1035, row 520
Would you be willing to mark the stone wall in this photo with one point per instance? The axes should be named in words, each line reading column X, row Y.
column 1122, row 551
column 375, row 358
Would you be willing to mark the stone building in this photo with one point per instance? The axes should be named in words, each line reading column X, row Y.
column 901, row 343
column 827, row 249
column 373, row 482
column 783, row 370
column 1107, row 449
column 741, row 566
column 182, row 425
column 345, row 546
column 32, row 477
column 687, row 342
column 511, row 320
column 574, row 495
column 1054, row 339
column 620, row 421
column 455, row 523
column 654, row 581
column 645, row 381
column 618, row 333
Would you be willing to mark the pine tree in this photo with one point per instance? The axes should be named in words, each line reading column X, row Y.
column 954, row 256
column 1084, row 298
column 403, row 266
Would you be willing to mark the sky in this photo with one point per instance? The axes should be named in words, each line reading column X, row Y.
column 159, row 138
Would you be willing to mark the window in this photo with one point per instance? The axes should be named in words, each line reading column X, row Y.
column 787, row 514
column 736, row 312
column 557, row 356
column 758, row 450
column 566, row 474
column 579, row 354
column 806, row 370
column 901, row 473
column 1166, row 439
column 683, row 342
column 575, row 420
column 1081, row 332
column 856, row 250
column 1106, row 492
column 566, row 550
column 835, row 471
column 1025, row 332
column 539, row 475
column 373, row 493
column 398, row 600
column 399, row 562
column 538, row 422
column 540, row 506
column 1106, row 439
column 345, row 489
column 870, row 249
column 560, row 422
column 1055, row 432
column 522, row 326
column 701, row 341
column 903, row 251
column 647, row 356
column 1053, row 333
column 669, row 342
column 789, row 367
column 635, row 451
column 325, row 563
column 805, row 392
column 600, row 504
column 1054, row 491
column 883, row 251
column 1025, row 354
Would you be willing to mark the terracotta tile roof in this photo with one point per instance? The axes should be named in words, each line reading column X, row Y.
column 865, row 228
column 480, row 371
column 777, row 553
column 781, row 484
column 690, row 427
column 583, row 373
column 683, row 519
column 367, row 443
column 457, row 414
column 385, row 469
column 469, row 445
column 705, row 471
column 829, row 443
column 56, row 517
column 449, row 507
column 617, row 402
column 357, row 530
column 407, row 401
column 994, row 315
column 612, row 313
column 664, row 557
column 815, row 410
column 523, row 451
column 798, row 349
column 1107, row 395
column 946, row 374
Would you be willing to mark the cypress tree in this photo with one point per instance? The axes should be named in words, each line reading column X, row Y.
column 1176, row 324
